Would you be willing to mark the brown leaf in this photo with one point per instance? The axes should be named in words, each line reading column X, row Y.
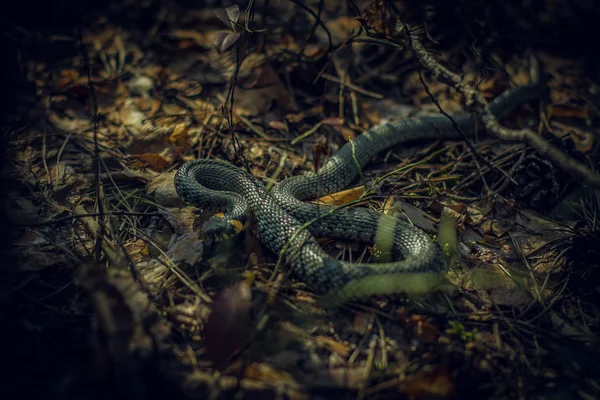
column 154, row 161
column 568, row 111
column 583, row 139
column 379, row 18
column 335, row 346
column 188, row 249
column 363, row 322
column 260, row 88
column 433, row 385
column 320, row 152
column 279, row 125
column 350, row 378
column 67, row 78
column 226, row 327
column 270, row 375
column 342, row 27
column 137, row 249
column 179, row 136
column 199, row 38
column 425, row 330
column 342, row 197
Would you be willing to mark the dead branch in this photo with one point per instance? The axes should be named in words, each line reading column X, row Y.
column 475, row 100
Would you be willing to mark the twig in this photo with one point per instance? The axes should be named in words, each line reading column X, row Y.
column 352, row 86
column 319, row 22
column 474, row 99
column 97, row 167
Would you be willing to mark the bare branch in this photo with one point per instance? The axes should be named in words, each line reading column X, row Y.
column 475, row 101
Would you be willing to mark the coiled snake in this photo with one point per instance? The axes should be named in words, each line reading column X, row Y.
column 279, row 216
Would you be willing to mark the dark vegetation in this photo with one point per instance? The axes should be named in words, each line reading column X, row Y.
column 107, row 290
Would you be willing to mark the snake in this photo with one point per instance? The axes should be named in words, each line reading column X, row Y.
column 289, row 226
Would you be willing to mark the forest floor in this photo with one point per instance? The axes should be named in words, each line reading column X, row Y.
column 109, row 288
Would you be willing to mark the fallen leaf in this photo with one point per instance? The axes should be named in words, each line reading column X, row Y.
column 568, row 111
column 137, row 249
column 363, row 322
column 428, row 385
column 425, row 330
column 154, row 161
column 270, row 375
column 343, row 197
column 414, row 214
column 187, row 249
column 321, row 151
column 583, row 139
column 378, row 17
column 226, row 327
column 281, row 126
column 350, row 378
column 199, row 38
column 335, row 346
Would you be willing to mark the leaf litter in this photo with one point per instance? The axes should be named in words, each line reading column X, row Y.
column 280, row 101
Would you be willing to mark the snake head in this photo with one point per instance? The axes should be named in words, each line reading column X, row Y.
column 218, row 229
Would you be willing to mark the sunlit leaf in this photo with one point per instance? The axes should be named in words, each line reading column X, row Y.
column 342, row 197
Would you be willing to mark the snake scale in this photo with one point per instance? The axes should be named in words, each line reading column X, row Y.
column 278, row 216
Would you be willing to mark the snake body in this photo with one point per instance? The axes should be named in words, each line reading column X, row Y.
column 279, row 216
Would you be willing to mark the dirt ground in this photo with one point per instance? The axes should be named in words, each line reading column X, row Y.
column 109, row 289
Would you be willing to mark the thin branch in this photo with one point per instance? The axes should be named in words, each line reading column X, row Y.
column 474, row 99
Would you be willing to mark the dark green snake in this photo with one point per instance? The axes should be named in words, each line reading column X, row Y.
column 279, row 216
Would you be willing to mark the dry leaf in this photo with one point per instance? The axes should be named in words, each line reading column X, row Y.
column 154, row 161
column 425, row 330
column 343, row 197
column 188, row 249
column 414, row 214
column 199, row 38
column 434, row 385
column 568, row 111
column 335, row 346
column 269, row 375
column 320, row 153
column 350, row 378
column 281, row 126
column 226, row 327
column 378, row 17
column 363, row 322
